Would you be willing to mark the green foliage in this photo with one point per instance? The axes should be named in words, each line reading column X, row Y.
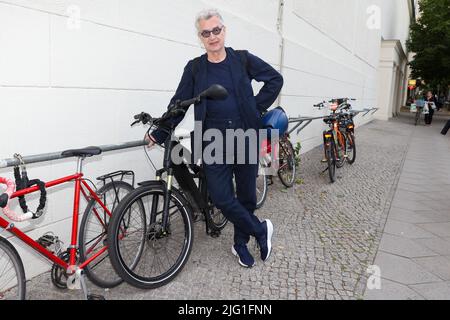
column 430, row 40
column 297, row 149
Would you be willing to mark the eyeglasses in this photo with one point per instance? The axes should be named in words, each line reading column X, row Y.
column 216, row 31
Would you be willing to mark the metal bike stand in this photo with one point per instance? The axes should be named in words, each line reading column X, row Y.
column 302, row 123
column 11, row 162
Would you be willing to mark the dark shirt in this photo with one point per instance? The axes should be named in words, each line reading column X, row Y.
column 220, row 73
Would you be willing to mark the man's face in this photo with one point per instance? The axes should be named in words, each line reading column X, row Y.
column 213, row 43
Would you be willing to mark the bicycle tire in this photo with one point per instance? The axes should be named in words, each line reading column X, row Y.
column 340, row 150
column 350, row 143
column 329, row 153
column 287, row 159
column 262, row 184
column 152, row 239
column 216, row 220
column 95, row 222
column 11, row 263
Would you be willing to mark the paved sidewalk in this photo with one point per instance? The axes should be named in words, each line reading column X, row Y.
column 327, row 235
column 414, row 254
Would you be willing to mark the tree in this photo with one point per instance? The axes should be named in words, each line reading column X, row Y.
column 430, row 41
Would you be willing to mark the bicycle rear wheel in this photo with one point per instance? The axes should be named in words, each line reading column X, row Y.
column 12, row 274
column 286, row 173
column 140, row 252
column 216, row 220
column 93, row 233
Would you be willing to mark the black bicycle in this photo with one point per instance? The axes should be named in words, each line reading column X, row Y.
column 150, row 235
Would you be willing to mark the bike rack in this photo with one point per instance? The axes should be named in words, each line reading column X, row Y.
column 367, row 110
column 302, row 123
column 11, row 162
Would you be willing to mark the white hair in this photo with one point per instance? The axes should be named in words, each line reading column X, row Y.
column 206, row 15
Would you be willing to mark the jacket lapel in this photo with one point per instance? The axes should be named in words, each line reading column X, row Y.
column 236, row 66
column 201, row 83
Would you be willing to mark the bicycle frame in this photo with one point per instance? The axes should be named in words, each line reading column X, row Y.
column 82, row 187
column 185, row 180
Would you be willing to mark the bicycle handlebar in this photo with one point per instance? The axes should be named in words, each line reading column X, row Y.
column 4, row 199
column 320, row 105
column 215, row 92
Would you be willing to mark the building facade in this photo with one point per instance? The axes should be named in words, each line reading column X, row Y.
column 73, row 73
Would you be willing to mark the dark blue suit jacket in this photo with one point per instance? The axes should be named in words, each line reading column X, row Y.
column 250, row 106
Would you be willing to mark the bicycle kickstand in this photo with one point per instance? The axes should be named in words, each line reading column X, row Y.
column 87, row 295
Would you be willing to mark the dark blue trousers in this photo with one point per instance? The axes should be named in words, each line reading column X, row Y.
column 238, row 205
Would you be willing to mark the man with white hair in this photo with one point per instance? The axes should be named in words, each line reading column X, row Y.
column 234, row 70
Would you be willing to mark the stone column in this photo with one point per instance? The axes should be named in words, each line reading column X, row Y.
column 390, row 79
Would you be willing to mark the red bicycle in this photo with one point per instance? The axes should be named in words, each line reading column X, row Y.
column 87, row 253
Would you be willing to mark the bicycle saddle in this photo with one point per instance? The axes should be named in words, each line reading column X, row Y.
column 85, row 152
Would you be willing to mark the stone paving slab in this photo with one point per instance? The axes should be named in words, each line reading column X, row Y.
column 440, row 229
column 393, row 291
column 326, row 235
column 418, row 223
column 439, row 265
column 433, row 291
column 406, row 229
column 403, row 270
column 421, row 216
column 438, row 245
column 404, row 247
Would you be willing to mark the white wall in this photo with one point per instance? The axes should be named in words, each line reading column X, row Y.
column 63, row 87
column 395, row 20
column 329, row 53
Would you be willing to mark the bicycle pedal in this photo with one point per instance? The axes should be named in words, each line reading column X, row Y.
column 95, row 297
column 46, row 240
column 198, row 218
column 215, row 234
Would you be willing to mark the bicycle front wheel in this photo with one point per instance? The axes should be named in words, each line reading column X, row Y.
column 329, row 153
column 416, row 120
column 93, row 231
column 340, row 150
column 12, row 274
column 261, row 188
column 286, row 173
column 350, row 147
column 141, row 252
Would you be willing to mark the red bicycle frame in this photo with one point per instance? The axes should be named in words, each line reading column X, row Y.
column 80, row 187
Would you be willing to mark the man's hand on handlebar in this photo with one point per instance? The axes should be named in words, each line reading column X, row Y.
column 150, row 140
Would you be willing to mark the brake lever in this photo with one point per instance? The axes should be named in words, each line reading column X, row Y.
column 177, row 112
